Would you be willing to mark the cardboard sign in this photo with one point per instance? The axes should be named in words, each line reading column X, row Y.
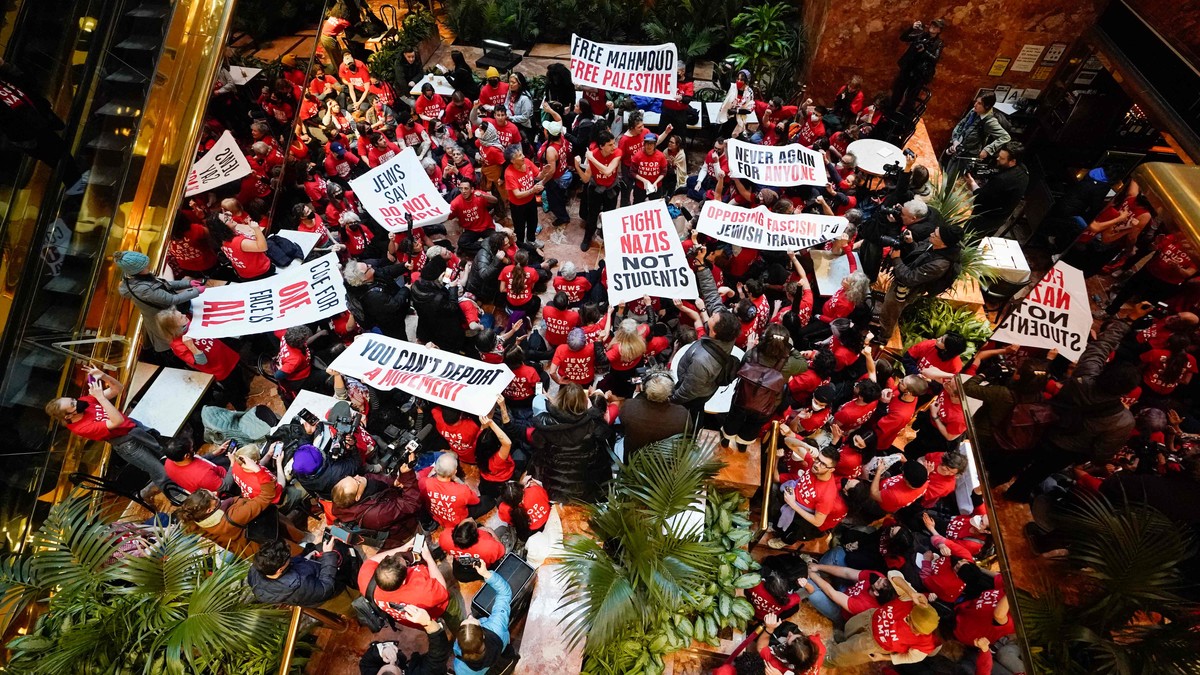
column 764, row 230
column 1055, row 315
column 222, row 164
column 644, row 254
column 642, row 71
column 398, row 187
column 295, row 296
column 780, row 166
column 432, row 374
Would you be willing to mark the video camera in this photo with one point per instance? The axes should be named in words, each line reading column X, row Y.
column 402, row 448
column 335, row 436
column 982, row 170
column 996, row 371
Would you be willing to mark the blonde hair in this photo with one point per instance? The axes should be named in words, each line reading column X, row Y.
column 166, row 322
column 629, row 343
column 572, row 399
column 345, row 492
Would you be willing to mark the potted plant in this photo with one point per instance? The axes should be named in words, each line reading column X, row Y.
column 663, row 565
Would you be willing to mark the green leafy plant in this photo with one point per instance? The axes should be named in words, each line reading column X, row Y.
column 769, row 42
column 687, row 26
column 418, row 25
column 1128, row 614
column 954, row 202
column 649, row 580
column 150, row 601
column 264, row 20
column 930, row 317
column 466, row 18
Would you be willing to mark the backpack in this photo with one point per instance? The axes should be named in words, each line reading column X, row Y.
column 1025, row 426
column 368, row 612
column 760, row 389
column 730, row 366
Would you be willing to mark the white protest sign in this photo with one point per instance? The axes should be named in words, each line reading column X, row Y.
column 432, row 374
column 644, row 254
column 1055, row 315
column 397, row 187
column 220, row 165
column 295, row 296
column 780, row 166
column 648, row 70
column 240, row 75
column 762, row 229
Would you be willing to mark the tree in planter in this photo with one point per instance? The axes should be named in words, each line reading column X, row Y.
column 150, row 601
column 768, row 40
column 688, row 26
column 1129, row 615
column 655, row 576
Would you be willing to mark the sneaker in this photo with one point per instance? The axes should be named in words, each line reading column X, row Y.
column 776, row 543
column 539, row 245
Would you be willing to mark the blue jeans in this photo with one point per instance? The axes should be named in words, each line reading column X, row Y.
column 821, row 602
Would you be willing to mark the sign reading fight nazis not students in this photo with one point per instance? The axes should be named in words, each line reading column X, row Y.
column 399, row 187
column 639, row 70
column 765, row 230
column 779, row 166
column 644, row 254
column 1055, row 315
column 295, row 296
column 432, row 374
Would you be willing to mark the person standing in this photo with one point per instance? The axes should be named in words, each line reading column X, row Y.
column 918, row 64
column 978, row 134
column 930, row 269
column 151, row 294
column 996, row 200
column 600, row 170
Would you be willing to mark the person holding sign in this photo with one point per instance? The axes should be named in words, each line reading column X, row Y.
column 470, row 208
column 599, row 170
column 649, row 169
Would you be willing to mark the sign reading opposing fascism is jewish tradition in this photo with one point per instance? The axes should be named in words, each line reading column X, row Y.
column 765, row 230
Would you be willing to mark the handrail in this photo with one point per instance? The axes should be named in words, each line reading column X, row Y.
column 769, row 477
column 289, row 643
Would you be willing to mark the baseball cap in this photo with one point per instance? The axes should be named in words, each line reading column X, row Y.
column 288, row 60
column 650, row 138
column 553, row 128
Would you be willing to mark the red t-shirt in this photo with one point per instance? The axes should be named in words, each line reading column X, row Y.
column 488, row 548
column 192, row 252
column 472, row 215
column 853, row 414
column 838, row 306
column 340, row 166
column 430, row 108
column 448, row 501
column 93, row 425
column 460, row 436
column 493, row 96
column 1153, row 374
column 616, row 363
column 899, row 414
column 198, row 474
column 804, row 384
column 939, row 485
column 247, row 264
column 419, row 589
column 221, row 357
column 499, row 469
column 818, row 646
column 630, row 145
column 414, row 134
column 859, row 597
column 765, row 603
column 951, row 415
column 897, row 494
column 251, row 483
column 939, row 577
column 526, row 294
column 575, row 289
column 926, row 356
column 515, row 179
column 295, row 363
column 537, row 506
column 578, row 367
column 893, row 633
column 457, row 114
column 1155, row 335
column 604, row 160
column 593, row 331
column 1173, row 264
column 559, row 323
column 377, row 155
column 975, row 619
column 524, row 383
column 849, row 462
column 649, row 167
column 821, row 497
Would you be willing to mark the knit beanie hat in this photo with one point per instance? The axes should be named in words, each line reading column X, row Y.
column 306, row 461
column 492, row 72
column 952, row 235
column 131, row 262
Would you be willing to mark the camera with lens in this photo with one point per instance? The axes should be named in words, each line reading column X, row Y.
column 891, row 213
column 996, row 371
column 402, row 448
column 893, row 242
column 891, row 172
column 336, row 436
column 982, row 170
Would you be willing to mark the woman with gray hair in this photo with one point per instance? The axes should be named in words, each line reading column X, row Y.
column 650, row 416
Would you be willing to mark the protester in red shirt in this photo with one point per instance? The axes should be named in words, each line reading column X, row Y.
column 856, row 412
column 429, row 105
column 1164, row 370
column 897, row 492
column 574, row 361
column 943, row 468
column 398, row 582
column 648, row 168
column 470, row 208
column 250, row 476
column 986, row 616
column 524, row 182
column 815, row 501
column 516, row 282
column 901, row 405
column 244, row 245
column 205, row 355
column 570, row 282
column 190, row 249
column 494, row 91
column 936, row 359
column 381, row 151
column 782, row 577
column 859, row 590
column 525, row 505
column 469, row 539
column 559, row 320
column 459, row 430
column 191, row 472
column 451, row 500
column 600, row 169
column 903, row 629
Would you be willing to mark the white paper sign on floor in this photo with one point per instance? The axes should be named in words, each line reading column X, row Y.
column 762, row 229
column 223, row 163
column 1055, row 315
column 648, row 70
column 779, row 166
column 295, row 296
column 644, row 256
column 399, row 187
column 432, row 374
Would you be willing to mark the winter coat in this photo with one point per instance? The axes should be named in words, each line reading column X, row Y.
column 384, row 303
column 570, row 454
column 392, row 509
column 928, row 270
column 227, row 525
column 484, row 278
column 699, row 369
column 1093, row 423
column 152, row 295
column 439, row 319
column 306, row 583
column 321, row 483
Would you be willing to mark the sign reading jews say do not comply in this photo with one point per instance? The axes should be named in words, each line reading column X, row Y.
column 644, row 254
column 639, row 70
column 399, row 187
column 295, row 296
column 432, row 374
column 779, row 166
column 223, row 163
column 766, row 230
column 1055, row 314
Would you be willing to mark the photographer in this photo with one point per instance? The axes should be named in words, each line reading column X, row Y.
column 978, row 134
column 277, row 577
column 930, row 269
column 901, row 228
column 999, row 196
column 397, row 585
column 468, row 540
column 379, row 502
column 918, row 64
column 318, row 474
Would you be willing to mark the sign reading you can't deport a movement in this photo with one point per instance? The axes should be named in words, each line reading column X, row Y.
column 648, row 70
column 779, row 166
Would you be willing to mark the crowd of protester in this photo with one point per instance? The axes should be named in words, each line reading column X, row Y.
column 879, row 525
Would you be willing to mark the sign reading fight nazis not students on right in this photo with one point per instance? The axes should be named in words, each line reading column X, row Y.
column 644, row 256
column 1055, row 315
column 639, row 70
column 778, row 166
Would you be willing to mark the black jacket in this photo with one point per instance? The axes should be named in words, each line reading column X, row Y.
column 995, row 200
column 408, row 72
column 464, row 80
column 384, row 302
column 484, row 278
column 321, row 483
column 306, row 583
column 439, row 319
column 570, row 455
column 928, row 270
column 921, row 58
column 432, row 662
column 1093, row 423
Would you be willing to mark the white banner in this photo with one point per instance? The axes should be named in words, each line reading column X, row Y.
column 222, row 164
column 644, row 255
column 397, row 187
column 762, row 229
column 297, row 295
column 648, row 70
column 1055, row 315
column 780, row 166
column 432, row 374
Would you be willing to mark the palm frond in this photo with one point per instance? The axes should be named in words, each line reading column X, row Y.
column 72, row 548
